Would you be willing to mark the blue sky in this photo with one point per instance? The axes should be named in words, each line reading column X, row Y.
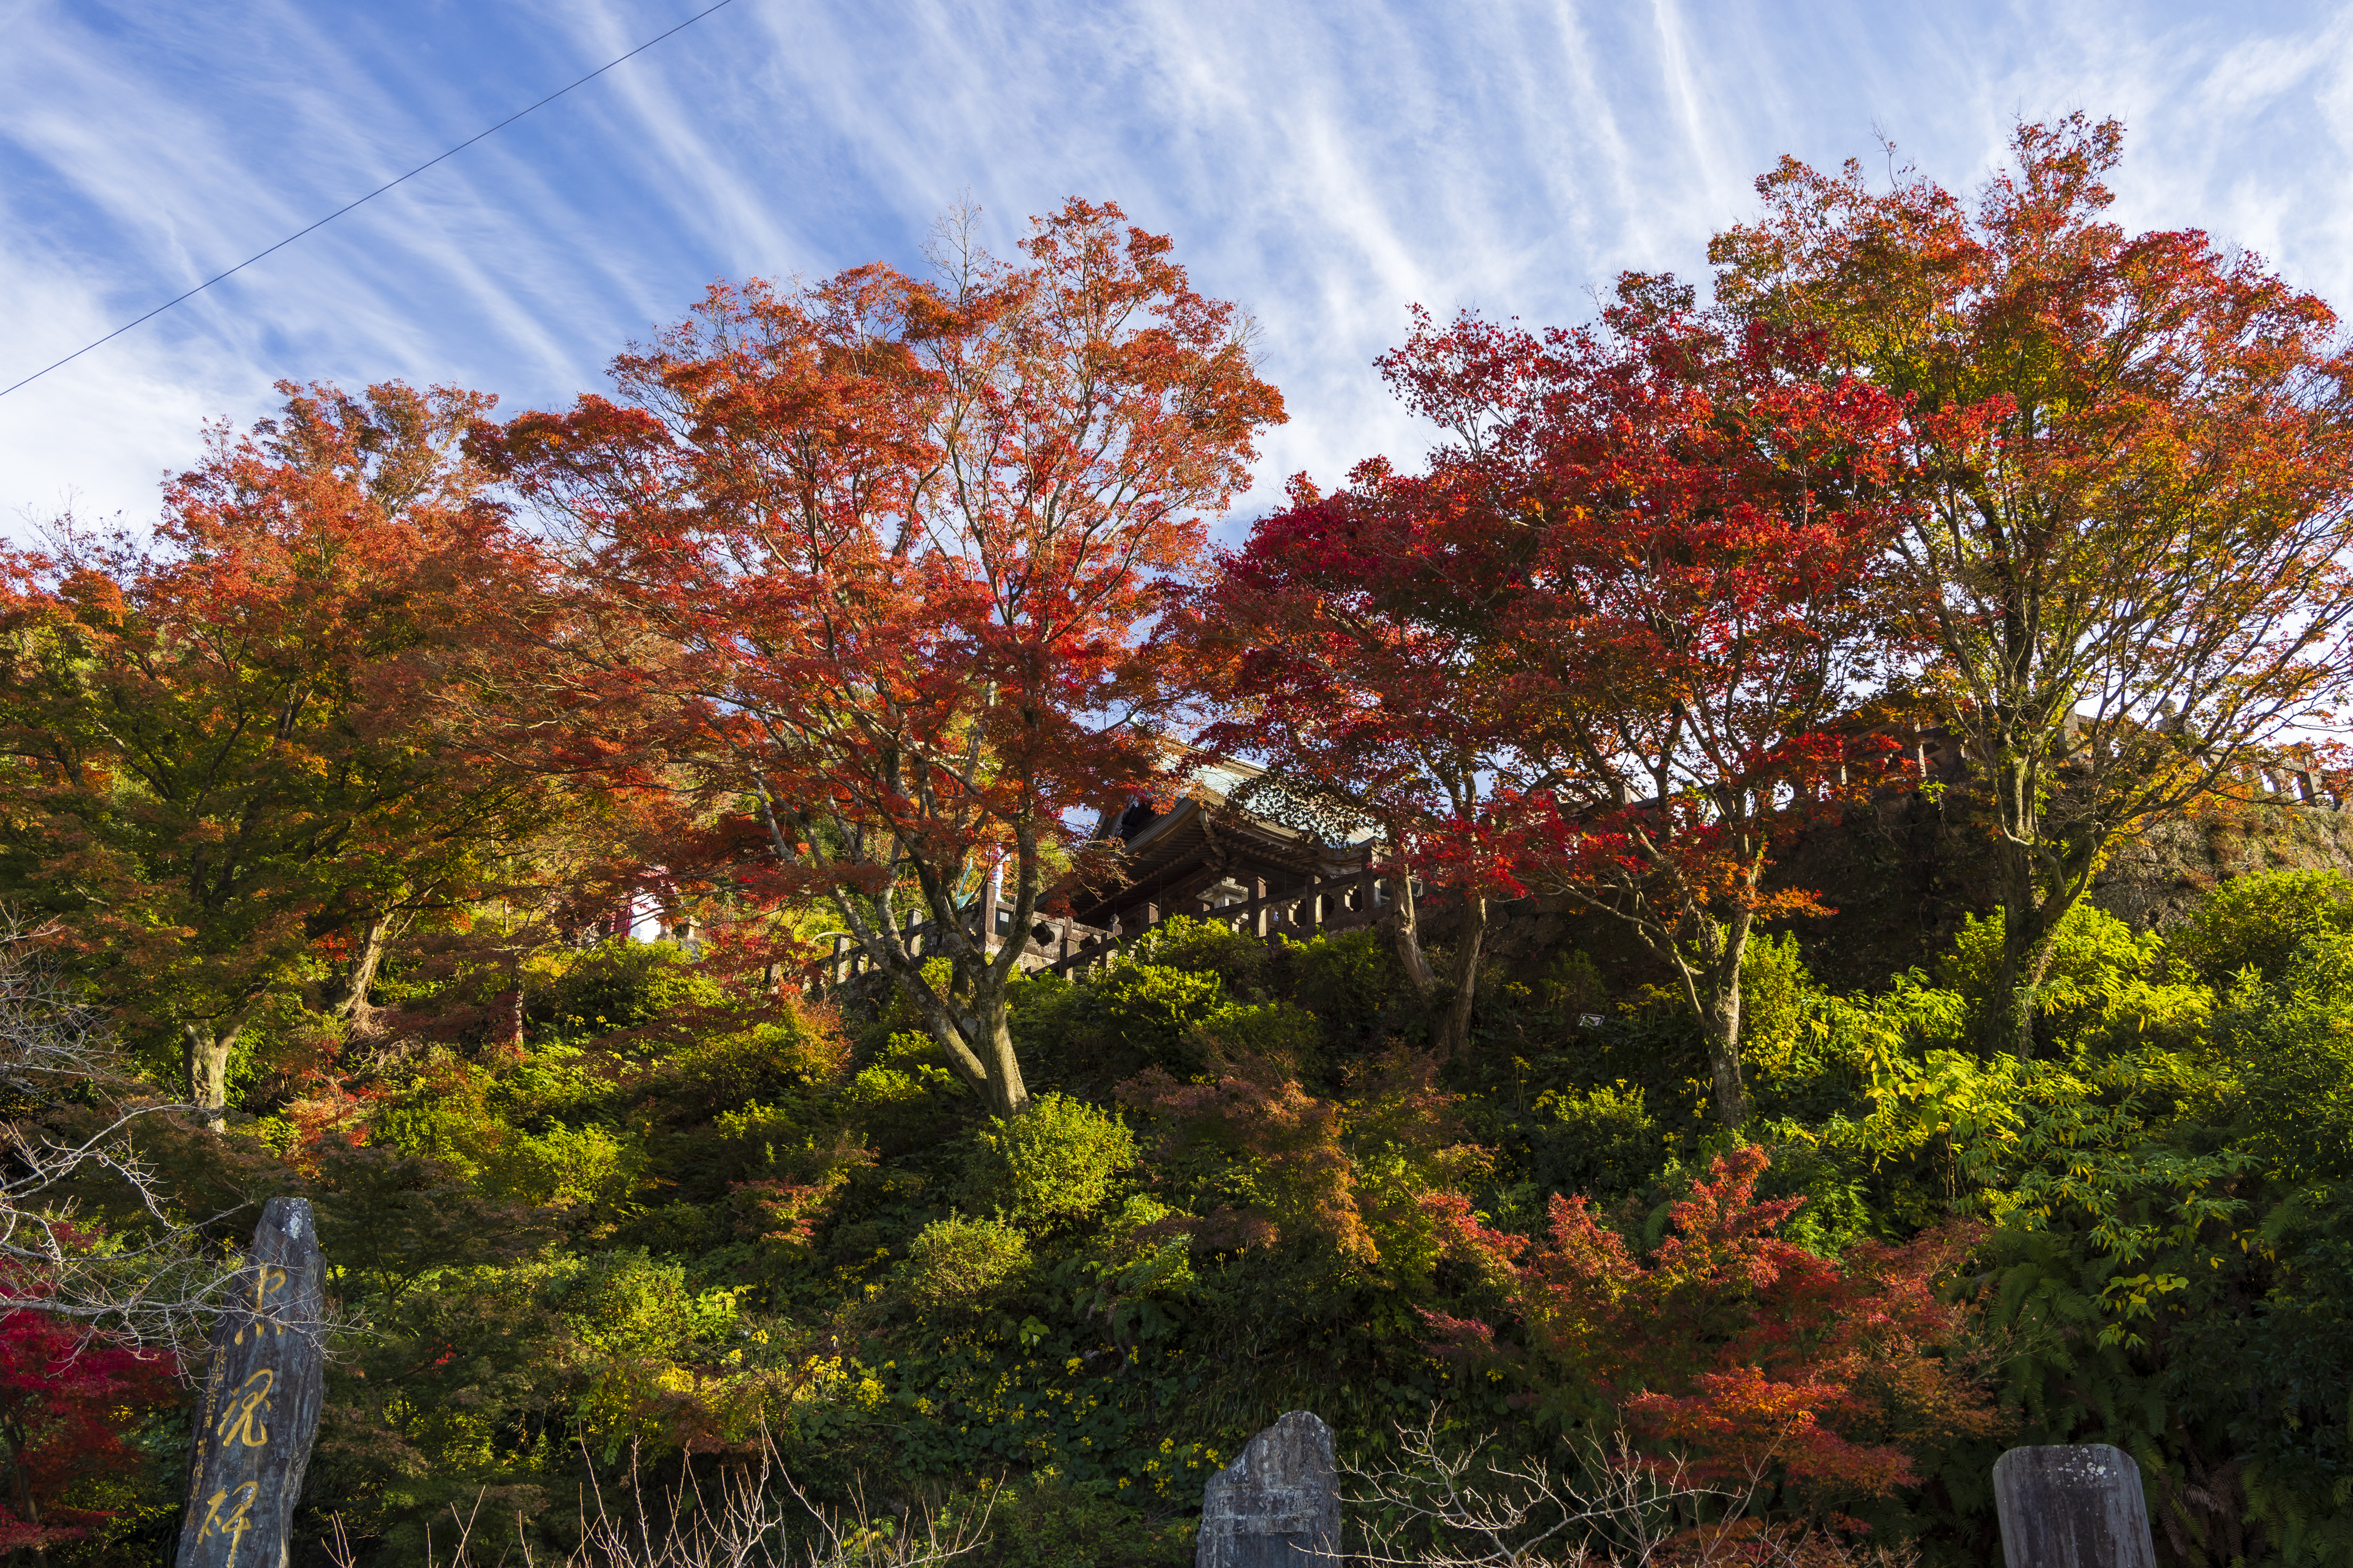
column 1324, row 165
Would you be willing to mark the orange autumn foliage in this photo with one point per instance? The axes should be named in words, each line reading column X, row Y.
column 1726, row 1342
column 1355, row 1173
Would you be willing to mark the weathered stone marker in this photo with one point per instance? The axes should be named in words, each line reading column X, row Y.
column 262, row 1401
column 2078, row 1506
column 1277, row 1506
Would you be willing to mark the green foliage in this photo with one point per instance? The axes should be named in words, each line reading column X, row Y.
column 1600, row 1140
column 2259, row 922
column 620, row 985
column 1140, row 1014
column 961, row 1262
column 1242, row 962
column 2105, row 986
column 1778, row 997
column 906, row 1098
column 1350, row 983
column 1054, row 1162
column 1137, row 1266
column 1053, row 1522
column 1573, row 986
column 2292, row 1044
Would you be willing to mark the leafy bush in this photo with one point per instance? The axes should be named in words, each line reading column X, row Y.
column 1600, row 1140
column 2259, row 921
column 2292, row 1043
column 1241, row 961
column 1778, row 1000
column 961, row 1262
column 1350, row 982
column 1048, row 1520
column 1728, row 1340
column 566, row 1167
column 1055, row 1162
column 1139, row 1262
column 1271, row 1031
column 1143, row 1014
column 623, row 984
column 2105, row 987
column 906, row 1098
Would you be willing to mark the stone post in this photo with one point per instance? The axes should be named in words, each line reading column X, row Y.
column 1277, row 1506
column 261, row 1400
column 2077, row 1506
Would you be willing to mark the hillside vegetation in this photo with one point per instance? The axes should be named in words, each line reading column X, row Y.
column 1738, row 1126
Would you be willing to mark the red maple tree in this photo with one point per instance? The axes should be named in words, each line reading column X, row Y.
column 871, row 564
column 1684, row 528
column 69, row 1401
column 1346, row 642
column 1598, row 646
column 1727, row 1342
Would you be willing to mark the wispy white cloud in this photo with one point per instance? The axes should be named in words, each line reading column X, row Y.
column 1325, row 164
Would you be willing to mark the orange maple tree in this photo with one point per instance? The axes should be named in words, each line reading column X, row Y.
column 1761, row 1361
column 226, row 770
column 870, row 566
column 2132, row 488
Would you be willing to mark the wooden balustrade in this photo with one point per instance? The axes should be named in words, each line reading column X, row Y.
column 1069, row 947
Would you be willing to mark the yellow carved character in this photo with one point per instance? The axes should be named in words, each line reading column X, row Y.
column 241, row 1423
column 233, row 1523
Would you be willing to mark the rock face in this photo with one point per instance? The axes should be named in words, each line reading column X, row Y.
column 1277, row 1506
column 2078, row 1506
column 262, row 1400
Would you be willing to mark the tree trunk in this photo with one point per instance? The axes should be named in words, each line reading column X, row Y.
column 511, row 1021
column 1454, row 1030
column 208, row 1048
column 1719, row 1022
column 1403, row 920
column 1008, row 1096
column 352, row 1003
column 29, row 1508
column 2029, row 926
column 1714, row 991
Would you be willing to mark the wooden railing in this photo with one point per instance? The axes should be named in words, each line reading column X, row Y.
column 1067, row 947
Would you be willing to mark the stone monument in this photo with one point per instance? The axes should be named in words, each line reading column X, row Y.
column 261, row 1400
column 1277, row 1506
column 2077, row 1506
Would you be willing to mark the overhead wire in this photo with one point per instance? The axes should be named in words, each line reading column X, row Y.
column 380, row 190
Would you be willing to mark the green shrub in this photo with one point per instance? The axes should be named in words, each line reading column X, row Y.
column 906, row 1098
column 2105, row 987
column 624, row 985
column 2260, row 921
column 1275, row 1031
column 1602, row 1142
column 1572, row 986
column 1778, row 1001
column 1054, row 1162
column 764, row 1062
column 1241, row 961
column 566, row 1167
column 960, row 1262
column 2292, row 1043
column 1147, row 1014
column 628, row 1304
column 1048, row 1520
column 1349, row 981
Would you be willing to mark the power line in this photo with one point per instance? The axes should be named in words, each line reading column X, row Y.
column 347, row 206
